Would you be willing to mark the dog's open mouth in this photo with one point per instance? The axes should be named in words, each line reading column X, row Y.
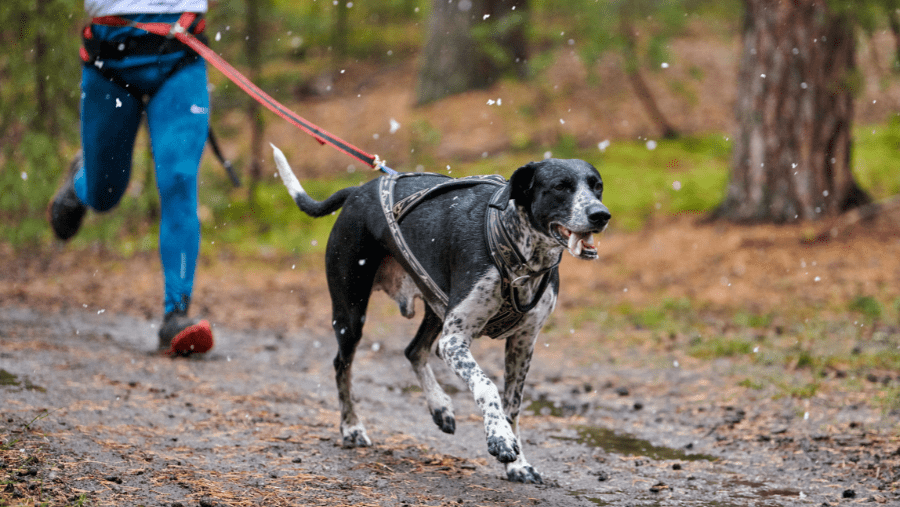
column 579, row 244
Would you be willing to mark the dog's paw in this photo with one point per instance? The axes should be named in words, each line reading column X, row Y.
column 445, row 420
column 355, row 437
column 504, row 449
column 524, row 474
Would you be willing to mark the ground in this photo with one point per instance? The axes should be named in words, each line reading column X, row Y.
column 620, row 412
column 92, row 416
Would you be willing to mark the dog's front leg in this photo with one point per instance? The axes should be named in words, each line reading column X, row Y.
column 453, row 348
column 519, row 351
column 461, row 324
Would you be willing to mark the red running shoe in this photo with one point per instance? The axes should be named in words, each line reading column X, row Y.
column 182, row 336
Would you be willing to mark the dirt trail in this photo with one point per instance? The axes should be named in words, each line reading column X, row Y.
column 90, row 414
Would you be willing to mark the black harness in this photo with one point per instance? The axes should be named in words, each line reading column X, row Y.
column 504, row 252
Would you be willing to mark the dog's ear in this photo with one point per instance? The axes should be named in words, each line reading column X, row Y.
column 518, row 188
column 521, row 183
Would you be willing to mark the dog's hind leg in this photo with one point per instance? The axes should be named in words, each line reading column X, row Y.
column 439, row 404
column 350, row 283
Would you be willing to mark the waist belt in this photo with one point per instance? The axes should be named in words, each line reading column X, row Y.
column 504, row 253
column 93, row 49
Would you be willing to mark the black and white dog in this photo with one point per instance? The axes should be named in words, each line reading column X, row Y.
column 440, row 248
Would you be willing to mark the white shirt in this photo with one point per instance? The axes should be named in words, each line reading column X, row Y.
column 95, row 8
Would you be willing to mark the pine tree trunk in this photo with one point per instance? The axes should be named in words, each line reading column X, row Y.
column 792, row 154
column 254, row 111
column 453, row 60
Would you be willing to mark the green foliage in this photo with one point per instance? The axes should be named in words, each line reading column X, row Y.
column 720, row 346
column 270, row 218
column 875, row 158
column 39, row 68
column 669, row 316
column 751, row 320
column 490, row 34
column 867, row 306
column 25, row 186
column 614, row 26
column 681, row 176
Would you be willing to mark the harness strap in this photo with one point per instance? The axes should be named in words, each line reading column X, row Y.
column 178, row 31
column 504, row 253
column 386, row 186
column 405, row 205
column 507, row 257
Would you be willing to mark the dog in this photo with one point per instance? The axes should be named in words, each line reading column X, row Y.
column 436, row 249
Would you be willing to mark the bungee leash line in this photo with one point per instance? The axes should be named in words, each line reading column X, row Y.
column 179, row 31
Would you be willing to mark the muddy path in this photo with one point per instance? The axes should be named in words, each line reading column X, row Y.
column 90, row 416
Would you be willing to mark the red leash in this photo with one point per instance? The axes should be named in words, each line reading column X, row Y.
column 179, row 30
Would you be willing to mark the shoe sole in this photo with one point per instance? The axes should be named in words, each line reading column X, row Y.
column 195, row 339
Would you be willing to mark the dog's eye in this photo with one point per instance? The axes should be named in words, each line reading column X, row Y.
column 562, row 186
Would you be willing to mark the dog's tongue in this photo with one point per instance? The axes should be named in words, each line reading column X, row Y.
column 578, row 242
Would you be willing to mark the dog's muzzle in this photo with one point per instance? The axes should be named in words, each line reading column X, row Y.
column 581, row 243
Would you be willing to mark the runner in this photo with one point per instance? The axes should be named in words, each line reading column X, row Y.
column 128, row 72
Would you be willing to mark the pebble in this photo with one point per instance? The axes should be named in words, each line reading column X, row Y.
column 659, row 486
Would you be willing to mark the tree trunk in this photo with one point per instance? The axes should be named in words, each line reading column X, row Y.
column 254, row 111
column 340, row 30
column 792, row 153
column 644, row 95
column 455, row 59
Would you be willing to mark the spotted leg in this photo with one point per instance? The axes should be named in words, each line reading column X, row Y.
column 461, row 324
column 519, row 350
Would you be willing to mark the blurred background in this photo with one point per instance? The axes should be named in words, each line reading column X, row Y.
column 749, row 151
column 750, row 111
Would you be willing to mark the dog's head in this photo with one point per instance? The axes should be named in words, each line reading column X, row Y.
column 563, row 200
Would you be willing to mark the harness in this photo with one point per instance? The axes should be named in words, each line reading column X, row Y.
column 504, row 252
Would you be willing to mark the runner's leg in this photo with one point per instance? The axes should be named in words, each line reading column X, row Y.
column 178, row 116
column 110, row 117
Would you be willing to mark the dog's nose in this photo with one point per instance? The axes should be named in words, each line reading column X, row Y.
column 598, row 214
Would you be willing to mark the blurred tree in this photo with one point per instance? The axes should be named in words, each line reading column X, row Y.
column 39, row 69
column 254, row 33
column 639, row 32
column 470, row 44
column 792, row 154
column 340, row 31
column 39, row 76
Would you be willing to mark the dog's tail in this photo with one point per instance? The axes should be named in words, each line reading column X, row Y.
column 306, row 203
